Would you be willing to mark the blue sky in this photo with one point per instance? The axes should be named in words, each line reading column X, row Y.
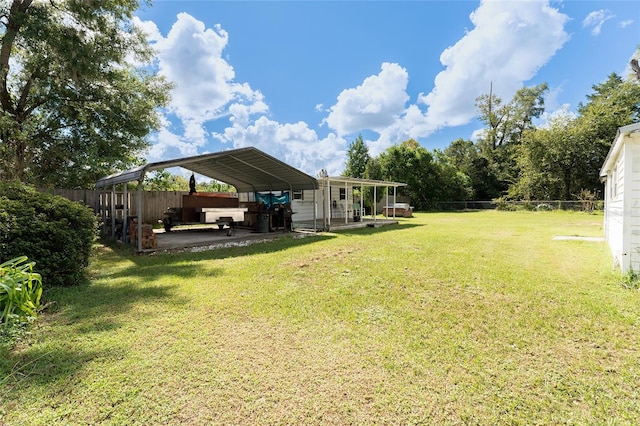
column 301, row 80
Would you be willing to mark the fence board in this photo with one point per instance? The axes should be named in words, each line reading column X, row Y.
column 154, row 203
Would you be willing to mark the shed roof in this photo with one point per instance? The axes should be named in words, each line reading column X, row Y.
column 247, row 169
column 363, row 182
column 616, row 146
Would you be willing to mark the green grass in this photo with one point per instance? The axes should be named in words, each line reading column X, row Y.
column 452, row 318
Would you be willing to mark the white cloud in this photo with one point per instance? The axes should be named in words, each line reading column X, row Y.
column 596, row 19
column 166, row 144
column 190, row 57
column 375, row 104
column 510, row 42
column 295, row 144
column 563, row 114
column 626, row 23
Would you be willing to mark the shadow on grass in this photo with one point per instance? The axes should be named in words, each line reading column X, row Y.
column 76, row 314
column 185, row 257
column 370, row 230
column 43, row 365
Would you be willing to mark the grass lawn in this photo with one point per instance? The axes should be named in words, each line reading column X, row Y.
column 446, row 318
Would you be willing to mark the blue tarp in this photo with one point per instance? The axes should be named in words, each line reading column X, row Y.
column 270, row 199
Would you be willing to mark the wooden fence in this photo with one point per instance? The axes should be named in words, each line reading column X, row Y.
column 154, row 203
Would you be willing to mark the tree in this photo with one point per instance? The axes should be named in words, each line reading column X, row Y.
column 162, row 180
column 357, row 159
column 72, row 107
column 429, row 176
column 563, row 159
column 549, row 159
column 506, row 123
column 467, row 158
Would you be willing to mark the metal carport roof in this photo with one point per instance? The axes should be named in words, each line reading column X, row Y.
column 247, row 169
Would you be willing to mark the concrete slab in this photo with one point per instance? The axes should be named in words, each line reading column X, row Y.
column 194, row 236
column 577, row 238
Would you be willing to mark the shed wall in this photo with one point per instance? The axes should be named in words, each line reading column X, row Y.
column 304, row 208
column 632, row 151
column 614, row 214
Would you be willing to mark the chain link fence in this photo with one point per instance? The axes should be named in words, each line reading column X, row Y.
column 539, row 205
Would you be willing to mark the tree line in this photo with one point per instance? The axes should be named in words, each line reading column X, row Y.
column 517, row 156
column 79, row 97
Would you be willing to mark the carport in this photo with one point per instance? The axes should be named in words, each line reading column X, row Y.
column 247, row 169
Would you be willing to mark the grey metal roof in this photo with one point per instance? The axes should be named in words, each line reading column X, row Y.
column 363, row 182
column 247, row 169
column 616, row 145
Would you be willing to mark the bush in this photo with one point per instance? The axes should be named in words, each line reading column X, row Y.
column 20, row 291
column 57, row 234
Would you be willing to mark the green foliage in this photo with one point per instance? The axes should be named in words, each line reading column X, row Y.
column 56, row 233
column 20, row 291
column 72, row 108
column 162, row 180
column 429, row 176
column 456, row 318
column 631, row 280
column 357, row 159
column 467, row 157
column 214, row 186
column 563, row 158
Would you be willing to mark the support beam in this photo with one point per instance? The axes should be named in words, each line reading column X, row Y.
column 125, row 213
column 140, row 215
column 113, row 211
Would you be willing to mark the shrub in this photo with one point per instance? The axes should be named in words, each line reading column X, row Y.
column 56, row 233
column 20, row 291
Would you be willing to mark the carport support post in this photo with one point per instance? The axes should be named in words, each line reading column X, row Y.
column 394, row 201
column 113, row 211
column 315, row 213
column 103, row 210
column 139, row 212
column 125, row 209
column 375, row 197
column 346, row 203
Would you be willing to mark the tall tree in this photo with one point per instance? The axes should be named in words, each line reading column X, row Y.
column 507, row 122
column 72, row 107
column 357, row 159
column 468, row 159
column 562, row 159
column 549, row 159
column 428, row 175
column 505, row 125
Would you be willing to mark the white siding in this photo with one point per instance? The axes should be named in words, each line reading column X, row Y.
column 633, row 194
column 622, row 213
column 615, row 213
column 304, row 208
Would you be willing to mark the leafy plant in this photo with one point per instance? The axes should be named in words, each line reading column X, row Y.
column 631, row 280
column 20, row 291
column 57, row 233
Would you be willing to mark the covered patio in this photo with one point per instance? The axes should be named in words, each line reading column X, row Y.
column 248, row 169
column 329, row 203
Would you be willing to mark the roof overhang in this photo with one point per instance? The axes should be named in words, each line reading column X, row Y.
column 616, row 146
column 247, row 169
column 362, row 182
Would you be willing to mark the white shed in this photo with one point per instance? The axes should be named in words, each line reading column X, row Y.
column 620, row 174
column 335, row 202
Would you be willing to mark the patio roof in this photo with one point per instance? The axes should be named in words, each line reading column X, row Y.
column 247, row 169
column 363, row 182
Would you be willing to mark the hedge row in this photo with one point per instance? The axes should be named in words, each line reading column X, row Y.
column 56, row 233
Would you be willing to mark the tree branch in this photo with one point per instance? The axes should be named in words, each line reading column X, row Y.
column 14, row 23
